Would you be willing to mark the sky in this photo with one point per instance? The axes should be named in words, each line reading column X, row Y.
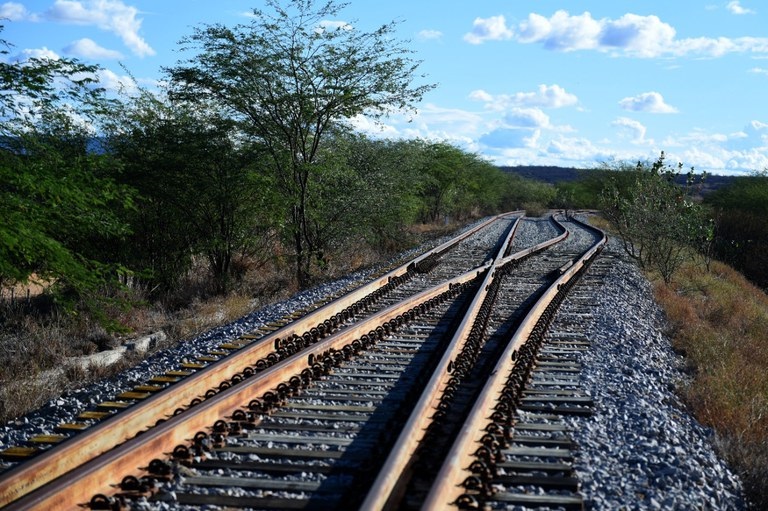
column 519, row 82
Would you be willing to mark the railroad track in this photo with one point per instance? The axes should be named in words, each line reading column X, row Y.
column 343, row 405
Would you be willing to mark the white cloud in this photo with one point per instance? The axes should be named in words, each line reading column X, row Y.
column 481, row 95
column 111, row 81
column 577, row 151
column 753, row 136
column 631, row 34
column 759, row 71
column 430, row 122
column 633, row 128
column 489, row 29
column 526, row 118
column 525, row 135
column 552, row 96
column 546, row 96
column 506, row 138
column 373, row 127
column 562, row 31
column 429, row 35
column 14, row 11
column 735, row 8
column 110, row 15
column 721, row 153
column 642, row 36
column 650, row 102
column 36, row 53
column 87, row 48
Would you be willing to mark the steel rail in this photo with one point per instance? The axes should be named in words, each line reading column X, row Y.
column 68, row 492
column 112, row 431
column 394, row 472
column 448, row 483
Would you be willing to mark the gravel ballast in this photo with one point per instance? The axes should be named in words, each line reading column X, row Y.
column 639, row 450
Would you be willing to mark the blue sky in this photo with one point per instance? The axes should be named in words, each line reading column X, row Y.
column 524, row 82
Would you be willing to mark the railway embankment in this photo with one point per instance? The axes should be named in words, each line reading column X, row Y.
column 639, row 449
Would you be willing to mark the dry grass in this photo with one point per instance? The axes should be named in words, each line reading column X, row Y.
column 35, row 341
column 720, row 323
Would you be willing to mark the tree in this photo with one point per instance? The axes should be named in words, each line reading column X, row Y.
column 200, row 189
column 289, row 76
column 741, row 225
column 657, row 219
column 58, row 201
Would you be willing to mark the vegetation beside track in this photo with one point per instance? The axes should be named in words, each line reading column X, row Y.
column 37, row 336
column 718, row 317
column 719, row 322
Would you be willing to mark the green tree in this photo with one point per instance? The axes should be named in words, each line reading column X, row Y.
column 289, row 76
column 656, row 219
column 59, row 203
column 741, row 225
column 529, row 194
column 200, row 185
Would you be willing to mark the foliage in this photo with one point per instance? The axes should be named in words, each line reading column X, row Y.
column 520, row 193
column 452, row 184
column 720, row 324
column 289, row 78
column 741, row 225
column 59, row 204
column 656, row 219
column 584, row 193
column 379, row 174
column 199, row 189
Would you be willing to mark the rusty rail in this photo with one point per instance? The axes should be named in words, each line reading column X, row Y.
column 78, row 486
column 448, row 485
column 144, row 415
column 394, row 473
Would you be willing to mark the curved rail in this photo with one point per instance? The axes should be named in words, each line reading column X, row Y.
column 401, row 456
column 448, row 487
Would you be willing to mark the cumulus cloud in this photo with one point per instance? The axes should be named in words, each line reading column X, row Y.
column 14, row 11
column 634, row 129
column 545, row 96
column 510, row 138
column 631, row 34
column 722, row 153
column 334, row 25
column 562, row 31
column 550, row 96
column 87, row 48
column 428, row 35
column 109, row 15
column 650, row 102
column 754, row 135
column 526, row 118
column 735, row 8
column 576, row 148
column 111, row 81
column 489, row 29
column 36, row 53
column 759, row 71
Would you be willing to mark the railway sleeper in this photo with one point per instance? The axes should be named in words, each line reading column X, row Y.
column 568, row 502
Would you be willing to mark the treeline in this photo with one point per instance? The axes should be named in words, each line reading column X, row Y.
column 246, row 158
column 740, row 213
column 658, row 203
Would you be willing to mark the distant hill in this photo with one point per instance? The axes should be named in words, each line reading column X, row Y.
column 554, row 175
column 547, row 174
